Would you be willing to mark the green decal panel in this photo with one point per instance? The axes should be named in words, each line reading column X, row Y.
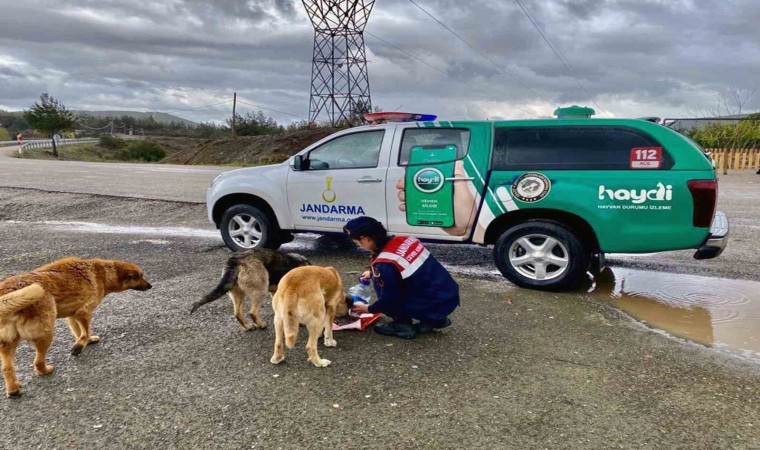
column 630, row 211
column 429, row 196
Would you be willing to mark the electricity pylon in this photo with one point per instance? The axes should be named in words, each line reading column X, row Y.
column 339, row 78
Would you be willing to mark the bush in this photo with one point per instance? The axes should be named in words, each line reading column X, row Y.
column 144, row 151
column 112, row 142
column 4, row 135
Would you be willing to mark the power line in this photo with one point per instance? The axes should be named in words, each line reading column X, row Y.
column 197, row 107
column 92, row 128
column 499, row 67
column 405, row 52
column 270, row 109
column 530, row 113
column 557, row 53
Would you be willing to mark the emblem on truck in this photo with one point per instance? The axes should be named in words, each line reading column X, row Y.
column 531, row 187
column 328, row 194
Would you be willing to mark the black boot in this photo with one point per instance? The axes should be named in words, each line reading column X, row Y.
column 396, row 329
column 428, row 327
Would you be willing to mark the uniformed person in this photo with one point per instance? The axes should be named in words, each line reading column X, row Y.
column 410, row 283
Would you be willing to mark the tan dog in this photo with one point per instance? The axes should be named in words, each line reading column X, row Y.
column 70, row 287
column 252, row 274
column 312, row 296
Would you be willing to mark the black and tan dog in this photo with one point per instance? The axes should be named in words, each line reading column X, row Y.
column 252, row 273
column 312, row 296
column 72, row 288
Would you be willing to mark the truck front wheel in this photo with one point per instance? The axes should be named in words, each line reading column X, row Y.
column 245, row 227
column 541, row 255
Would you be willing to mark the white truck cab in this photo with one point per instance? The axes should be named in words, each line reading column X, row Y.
column 350, row 173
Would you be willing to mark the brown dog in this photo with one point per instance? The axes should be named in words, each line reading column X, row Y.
column 70, row 287
column 252, row 274
column 312, row 296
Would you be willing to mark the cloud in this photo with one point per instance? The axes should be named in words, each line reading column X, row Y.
column 629, row 57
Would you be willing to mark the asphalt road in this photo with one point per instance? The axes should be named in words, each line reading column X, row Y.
column 151, row 181
column 544, row 371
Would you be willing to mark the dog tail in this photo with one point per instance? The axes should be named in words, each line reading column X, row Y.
column 20, row 299
column 229, row 278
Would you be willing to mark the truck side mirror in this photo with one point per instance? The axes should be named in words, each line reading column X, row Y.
column 298, row 162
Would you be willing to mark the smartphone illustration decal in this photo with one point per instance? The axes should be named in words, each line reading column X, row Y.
column 429, row 197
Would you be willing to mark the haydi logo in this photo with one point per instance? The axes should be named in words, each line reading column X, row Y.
column 428, row 180
column 659, row 194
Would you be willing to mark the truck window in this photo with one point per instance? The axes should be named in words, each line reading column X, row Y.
column 351, row 151
column 439, row 137
column 569, row 148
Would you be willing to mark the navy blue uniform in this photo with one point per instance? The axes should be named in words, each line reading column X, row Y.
column 411, row 283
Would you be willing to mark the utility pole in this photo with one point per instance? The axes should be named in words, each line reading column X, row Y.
column 234, row 104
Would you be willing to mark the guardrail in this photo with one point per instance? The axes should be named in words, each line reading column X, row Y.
column 48, row 143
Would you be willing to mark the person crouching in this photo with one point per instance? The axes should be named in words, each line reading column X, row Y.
column 409, row 282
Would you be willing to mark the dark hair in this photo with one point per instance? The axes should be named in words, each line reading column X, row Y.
column 380, row 238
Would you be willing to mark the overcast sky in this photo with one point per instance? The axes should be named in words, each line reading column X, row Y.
column 631, row 57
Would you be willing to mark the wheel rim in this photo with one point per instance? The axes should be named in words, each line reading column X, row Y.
column 539, row 257
column 245, row 230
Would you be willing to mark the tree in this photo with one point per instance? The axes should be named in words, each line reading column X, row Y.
column 255, row 124
column 50, row 116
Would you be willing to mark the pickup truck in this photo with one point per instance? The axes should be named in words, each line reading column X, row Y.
column 551, row 196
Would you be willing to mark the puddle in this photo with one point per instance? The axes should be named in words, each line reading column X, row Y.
column 716, row 312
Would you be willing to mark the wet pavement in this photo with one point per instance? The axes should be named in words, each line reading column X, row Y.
column 720, row 313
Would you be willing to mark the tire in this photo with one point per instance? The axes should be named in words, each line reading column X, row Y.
column 558, row 258
column 246, row 227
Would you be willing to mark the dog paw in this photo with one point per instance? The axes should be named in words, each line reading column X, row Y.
column 277, row 359
column 322, row 362
column 94, row 340
column 46, row 371
column 14, row 394
column 76, row 350
column 331, row 343
column 261, row 325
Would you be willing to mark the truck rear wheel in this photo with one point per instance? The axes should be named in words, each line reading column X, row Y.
column 541, row 255
column 245, row 227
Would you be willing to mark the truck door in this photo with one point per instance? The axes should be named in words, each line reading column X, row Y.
column 436, row 178
column 340, row 179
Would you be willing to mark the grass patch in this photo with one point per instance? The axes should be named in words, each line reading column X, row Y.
column 137, row 151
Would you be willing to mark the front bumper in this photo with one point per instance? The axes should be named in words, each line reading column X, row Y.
column 717, row 239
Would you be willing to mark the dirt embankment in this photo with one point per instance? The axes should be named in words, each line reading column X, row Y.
column 245, row 150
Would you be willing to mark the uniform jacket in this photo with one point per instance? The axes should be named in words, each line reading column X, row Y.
column 409, row 281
